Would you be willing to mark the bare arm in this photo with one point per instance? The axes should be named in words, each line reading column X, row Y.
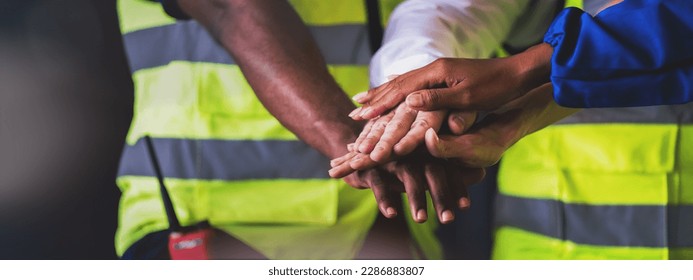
column 284, row 67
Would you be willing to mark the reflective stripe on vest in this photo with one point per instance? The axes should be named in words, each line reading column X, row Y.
column 339, row 45
column 598, row 187
column 574, row 3
column 225, row 157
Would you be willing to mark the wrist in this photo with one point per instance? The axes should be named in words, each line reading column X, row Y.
column 533, row 66
column 337, row 135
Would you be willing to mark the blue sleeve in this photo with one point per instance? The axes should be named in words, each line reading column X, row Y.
column 637, row 53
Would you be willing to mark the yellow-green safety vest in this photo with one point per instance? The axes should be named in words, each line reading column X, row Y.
column 226, row 159
column 601, row 184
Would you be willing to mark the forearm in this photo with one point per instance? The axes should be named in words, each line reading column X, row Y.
column 283, row 65
column 532, row 67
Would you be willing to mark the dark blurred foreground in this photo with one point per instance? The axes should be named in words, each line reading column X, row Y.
column 65, row 107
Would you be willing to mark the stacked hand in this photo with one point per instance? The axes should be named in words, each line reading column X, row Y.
column 388, row 139
column 426, row 115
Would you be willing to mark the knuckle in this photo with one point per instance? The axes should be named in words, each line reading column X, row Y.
column 380, row 125
column 421, row 123
column 432, row 97
column 374, row 91
column 399, row 125
column 369, row 140
column 466, row 98
column 396, row 85
column 441, row 64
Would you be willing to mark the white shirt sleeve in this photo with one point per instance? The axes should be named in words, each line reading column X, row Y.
column 421, row 31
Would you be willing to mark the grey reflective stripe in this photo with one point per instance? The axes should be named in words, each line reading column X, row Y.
column 189, row 41
column 602, row 225
column 668, row 114
column 226, row 160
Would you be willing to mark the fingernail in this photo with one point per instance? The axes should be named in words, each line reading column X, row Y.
column 366, row 113
column 355, row 112
column 415, row 100
column 360, row 97
column 421, row 215
column 391, row 212
column 436, row 141
column 459, row 120
column 447, row 217
column 350, row 147
column 397, row 148
column 464, row 203
column 433, row 134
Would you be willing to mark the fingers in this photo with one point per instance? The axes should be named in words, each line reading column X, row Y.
column 373, row 111
column 338, row 161
column 456, row 182
column 361, row 97
column 437, row 147
column 355, row 181
column 459, row 188
column 376, row 132
column 472, row 175
column 381, row 99
column 439, row 98
column 341, row 166
column 363, row 134
column 415, row 187
column 459, row 121
column 383, row 195
column 385, row 97
column 441, row 194
column 416, row 133
column 361, row 162
column 460, row 179
column 472, row 150
column 396, row 129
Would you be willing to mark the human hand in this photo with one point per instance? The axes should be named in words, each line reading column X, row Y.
column 395, row 135
column 458, row 83
column 385, row 186
column 446, row 181
column 484, row 144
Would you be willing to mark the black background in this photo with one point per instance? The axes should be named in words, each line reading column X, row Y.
column 65, row 107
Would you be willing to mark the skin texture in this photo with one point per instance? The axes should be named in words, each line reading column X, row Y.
column 483, row 144
column 467, row 84
column 403, row 108
column 400, row 132
column 283, row 65
column 460, row 83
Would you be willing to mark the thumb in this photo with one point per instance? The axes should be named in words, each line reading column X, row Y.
column 434, row 144
column 443, row 147
column 436, row 99
column 459, row 121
